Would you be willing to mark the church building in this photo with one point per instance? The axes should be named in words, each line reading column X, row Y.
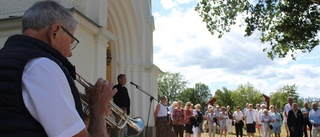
column 116, row 37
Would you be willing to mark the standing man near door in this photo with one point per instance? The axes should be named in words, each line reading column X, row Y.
column 122, row 100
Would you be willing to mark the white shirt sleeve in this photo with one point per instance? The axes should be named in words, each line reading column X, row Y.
column 47, row 96
column 195, row 112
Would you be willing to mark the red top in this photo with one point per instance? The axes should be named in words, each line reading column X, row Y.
column 177, row 116
column 187, row 116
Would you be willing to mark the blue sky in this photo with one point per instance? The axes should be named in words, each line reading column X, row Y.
column 183, row 44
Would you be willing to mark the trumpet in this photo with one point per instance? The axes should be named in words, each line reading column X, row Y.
column 132, row 126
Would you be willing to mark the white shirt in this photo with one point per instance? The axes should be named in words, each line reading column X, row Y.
column 238, row 115
column 170, row 109
column 259, row 114
column 48, row 98
column 314, row 116
column 265, row 118
column 257, row 110
column 223, row 115
column 162, row 111
column 217, row 112
column 211, row 116
column 250, row 116
column 195, row 113
column 286, row 110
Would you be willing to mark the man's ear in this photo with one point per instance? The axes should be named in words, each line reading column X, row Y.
column 53, row 32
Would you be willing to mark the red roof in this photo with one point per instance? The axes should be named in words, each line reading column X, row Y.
column 265, row 96
column 211, row 101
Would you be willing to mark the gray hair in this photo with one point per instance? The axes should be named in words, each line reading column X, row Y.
column 42, row 14
column 315, row 103
column 265, row 110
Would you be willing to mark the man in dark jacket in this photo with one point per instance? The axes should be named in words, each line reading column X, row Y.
column 122, row 100
column 295, row 121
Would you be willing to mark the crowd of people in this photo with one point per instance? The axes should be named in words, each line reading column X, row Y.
column 266, row 121
column 174, row 120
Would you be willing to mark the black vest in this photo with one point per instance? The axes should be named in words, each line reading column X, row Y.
column 15, row 119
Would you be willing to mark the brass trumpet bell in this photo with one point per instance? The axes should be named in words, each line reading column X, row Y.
column 132, row 126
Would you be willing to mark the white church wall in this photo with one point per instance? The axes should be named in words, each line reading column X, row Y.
column 130, row 35
column 9, row 27
column 18, row 7
column 130, row 24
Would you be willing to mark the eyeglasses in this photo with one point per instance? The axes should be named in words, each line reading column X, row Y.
column 75, row 42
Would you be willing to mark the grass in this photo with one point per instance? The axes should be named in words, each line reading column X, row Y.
column 283, row 133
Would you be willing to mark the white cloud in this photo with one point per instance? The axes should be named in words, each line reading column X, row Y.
column 183, row 44
column 168, row 4
column 183, row 1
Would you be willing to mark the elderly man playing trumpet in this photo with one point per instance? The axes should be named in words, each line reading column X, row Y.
column 38, row 95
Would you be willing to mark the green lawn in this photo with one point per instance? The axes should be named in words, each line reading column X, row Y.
column 283, row 133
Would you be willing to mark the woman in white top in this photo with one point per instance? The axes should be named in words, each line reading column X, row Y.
column 160, row 118
column 211, row 118
column 250, row 121
column 265, row 121
column 238, row 121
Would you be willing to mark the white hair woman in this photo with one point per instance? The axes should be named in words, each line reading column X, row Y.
column 265, row 121
column 211, row 118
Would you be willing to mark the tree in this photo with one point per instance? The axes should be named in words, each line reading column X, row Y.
column 279, row 98
column 291, row 90
column 224, row 97
column 202, row 94
column 287, row 25
column 246, row 93
column 188, row 95
column 197, row 95
column 170, row 85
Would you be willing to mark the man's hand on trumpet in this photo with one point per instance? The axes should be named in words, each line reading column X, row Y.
column 100, row 96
